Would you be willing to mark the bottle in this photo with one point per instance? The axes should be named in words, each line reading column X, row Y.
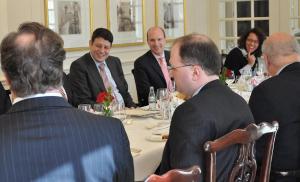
column 152, row 99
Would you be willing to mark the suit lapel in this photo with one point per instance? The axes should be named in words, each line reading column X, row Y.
column 95, row 75
column 155, row 66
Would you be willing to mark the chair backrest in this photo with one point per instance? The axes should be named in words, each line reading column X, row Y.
column 177, row 175
column 245, row 167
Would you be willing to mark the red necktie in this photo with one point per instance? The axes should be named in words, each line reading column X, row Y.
column 164, row 69
column 104, row 76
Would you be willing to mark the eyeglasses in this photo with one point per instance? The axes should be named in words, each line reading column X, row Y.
column 252, row 41
column 172, row 68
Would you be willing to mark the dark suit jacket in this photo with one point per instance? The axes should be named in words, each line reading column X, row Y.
column 212, row 113
column 147, row 72
column 68, row 88
column 5, row 103
column 46, row 139
column 278, row 98
column 235, row 60
column 87, row 82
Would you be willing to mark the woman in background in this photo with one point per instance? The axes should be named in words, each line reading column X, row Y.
column 245, row 55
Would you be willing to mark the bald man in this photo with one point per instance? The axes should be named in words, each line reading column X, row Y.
column 278, row 99
column 151, row 68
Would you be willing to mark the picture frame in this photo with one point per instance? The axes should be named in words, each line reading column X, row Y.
column 170, row 15
column 125, row 19
column 72, row 20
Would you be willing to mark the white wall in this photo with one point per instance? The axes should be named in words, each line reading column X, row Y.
column 14, row 12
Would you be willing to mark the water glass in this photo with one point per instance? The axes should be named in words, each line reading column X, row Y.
column 85, row 107
column 119, row 111
column 164, row 100
column 98, row 108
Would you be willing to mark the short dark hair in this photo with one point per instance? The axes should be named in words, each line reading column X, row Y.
column 31, row 27
column 35, row 66
column 260, row 35
column 201, row 50
column 103, row 33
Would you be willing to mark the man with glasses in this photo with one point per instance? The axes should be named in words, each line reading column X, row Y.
column 212, row 110
column 151, row 68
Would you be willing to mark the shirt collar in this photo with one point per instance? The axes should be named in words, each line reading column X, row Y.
column 199, row 89
column 96, row 62
column 47, row 94
column 157, row 57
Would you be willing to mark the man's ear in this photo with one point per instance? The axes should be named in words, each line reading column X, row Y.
column 197, row 71
column 7, row 80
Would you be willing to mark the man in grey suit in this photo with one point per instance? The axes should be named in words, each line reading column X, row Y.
column 212, row 111
column 42, row 137
column 96, row 71
column 147, row 68
column 277, row 98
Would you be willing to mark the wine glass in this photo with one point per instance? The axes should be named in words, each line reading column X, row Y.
column 85, row 107
column 119, row 111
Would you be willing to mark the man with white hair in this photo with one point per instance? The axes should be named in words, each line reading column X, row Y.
column 278, row 99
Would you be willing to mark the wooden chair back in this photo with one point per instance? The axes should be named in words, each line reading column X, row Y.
column 245, row 167
column 177, row 175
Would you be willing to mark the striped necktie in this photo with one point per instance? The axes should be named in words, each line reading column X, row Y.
column 104, row 76
column 164, row 69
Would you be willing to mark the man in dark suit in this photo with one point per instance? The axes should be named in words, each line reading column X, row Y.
column 148, row 70
column 35, row 28
column 68, row 88
column 212, row 111
column 5, row 103
column 96, row 71
column 277, row 98
column 42, row 137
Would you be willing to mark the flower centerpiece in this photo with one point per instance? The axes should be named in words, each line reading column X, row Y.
column 106, row 98
column 223, row 75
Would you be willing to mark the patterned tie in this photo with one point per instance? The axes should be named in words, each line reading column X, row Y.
column 164, row 69
column 104, row 76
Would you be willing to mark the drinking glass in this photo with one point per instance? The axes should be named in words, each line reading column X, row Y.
column 85, row 107
column 98, row 108
column 164, row 103
column 119, row 111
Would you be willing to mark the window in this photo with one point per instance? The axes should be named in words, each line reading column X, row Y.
column 238, row 16
column 294, row 22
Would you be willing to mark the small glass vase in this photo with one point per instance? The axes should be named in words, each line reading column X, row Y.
column 107, row 111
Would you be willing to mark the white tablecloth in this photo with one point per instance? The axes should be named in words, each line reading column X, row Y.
column 243, row 93
column 146, row 161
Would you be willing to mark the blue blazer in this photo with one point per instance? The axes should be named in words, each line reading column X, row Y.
column 46, row 139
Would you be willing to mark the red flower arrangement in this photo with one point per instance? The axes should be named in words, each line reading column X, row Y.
column 106, row 98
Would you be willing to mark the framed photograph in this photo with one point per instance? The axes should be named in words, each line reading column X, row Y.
column 71, row 19
column 125, row 19
column 170, row 15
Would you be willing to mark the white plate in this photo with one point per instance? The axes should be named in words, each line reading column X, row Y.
column 155, row 138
